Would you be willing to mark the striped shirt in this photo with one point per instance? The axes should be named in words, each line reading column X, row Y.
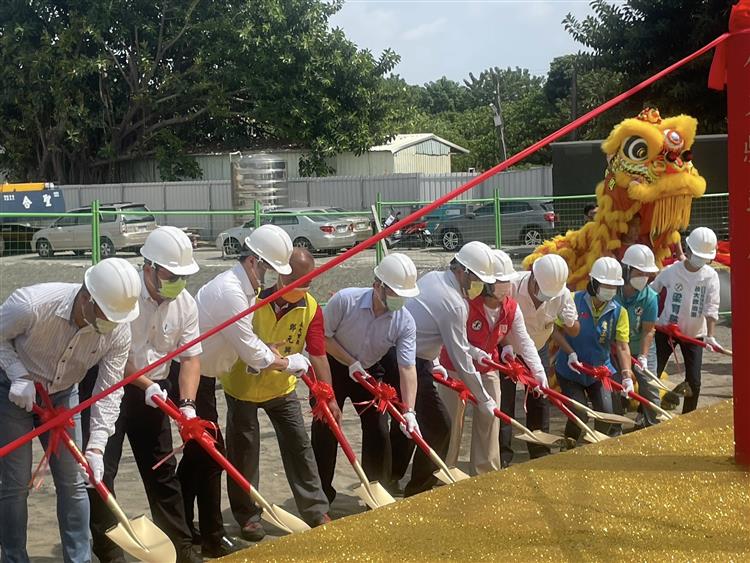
column 38, row 338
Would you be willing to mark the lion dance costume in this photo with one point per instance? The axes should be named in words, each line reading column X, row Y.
column 645, row 197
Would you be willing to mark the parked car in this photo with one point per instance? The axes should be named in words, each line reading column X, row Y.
column 442, row 213
column 314, row 232
column 522, row 222
column 361, row 223
column 118, row 232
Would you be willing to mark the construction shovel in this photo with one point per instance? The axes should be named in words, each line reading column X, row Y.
column 589, row 434
column 139, row 537
column 372, row 493
column 653, row 380
column 673, row 331
column 609, row 418
column 382, row 392
column 194, row 429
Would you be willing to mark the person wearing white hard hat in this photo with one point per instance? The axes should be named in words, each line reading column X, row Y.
column 368, row 330
column 692, row 303
column 543, row 299
column 638, row 266
column 168, row 318
column 235, row 291
column 495, row 328
column 50, row 335
column 604, row 323
column 440, row 313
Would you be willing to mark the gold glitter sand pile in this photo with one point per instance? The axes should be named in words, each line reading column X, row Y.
column 668, row 493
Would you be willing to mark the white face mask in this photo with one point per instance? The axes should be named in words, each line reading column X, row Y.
column 606, row 293
column 639, row 283
column 698, row 262
column 502, row 290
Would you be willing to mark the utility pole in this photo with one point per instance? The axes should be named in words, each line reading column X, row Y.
column 498, row 118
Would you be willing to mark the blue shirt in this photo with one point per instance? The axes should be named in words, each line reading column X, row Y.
column 349, row 319
column 642, row 308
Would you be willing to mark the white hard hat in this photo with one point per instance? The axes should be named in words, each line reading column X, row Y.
column 115, row 286
column 170, row 248
column 551, row 274
column 607, row 270
column 702, row 243
column 399, row 273
column 271, row 244
column 640, row 257
column 477, row 257
column 504, row 270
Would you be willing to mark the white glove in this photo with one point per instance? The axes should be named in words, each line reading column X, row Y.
column 712, row 345
column 151, row 391
column 188, row 412
column 479, row 356
column 356, row 367
column 411, row 424
column 507, row 354
column 440, row 370
column 298, row 364
column 96, row 463
column 541, row 379
column 488, row 406
column 22, row 393
column 572, row 361
column 627, row 386
column 643, row 362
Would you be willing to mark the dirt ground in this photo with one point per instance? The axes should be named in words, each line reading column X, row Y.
column 43, row 541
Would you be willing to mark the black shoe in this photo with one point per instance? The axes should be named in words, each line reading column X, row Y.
column 683, row 388
column 226, row 546
column 253, row 531
column 188, row 555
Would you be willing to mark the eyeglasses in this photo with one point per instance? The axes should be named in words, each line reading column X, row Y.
column 166, row 275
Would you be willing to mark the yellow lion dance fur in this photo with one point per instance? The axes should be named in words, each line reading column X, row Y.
column 645, row 197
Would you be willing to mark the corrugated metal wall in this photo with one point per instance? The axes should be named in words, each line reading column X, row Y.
column 349, row 192
column 409, row 162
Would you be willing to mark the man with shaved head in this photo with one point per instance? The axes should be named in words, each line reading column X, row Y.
column 291, row 324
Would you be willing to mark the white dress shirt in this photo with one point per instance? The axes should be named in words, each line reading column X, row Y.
column 523, row 345
column 161, row 328
column 541, row 321
column 440, row 313
column 223, row 297
column 38, row 338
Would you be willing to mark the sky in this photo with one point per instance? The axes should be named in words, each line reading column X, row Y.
column 451, row 38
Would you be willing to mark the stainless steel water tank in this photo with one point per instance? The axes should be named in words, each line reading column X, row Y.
column 259, row 177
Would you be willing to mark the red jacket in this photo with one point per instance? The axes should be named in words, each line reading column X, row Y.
column 479, row 332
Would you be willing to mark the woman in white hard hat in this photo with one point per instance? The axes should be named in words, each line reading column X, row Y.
column 368, row 330
column 692, row 302
column 543, row 298
column 168, row 318
column 638, row 266
column 51, row 334
column 494, row 327
column 604, row 322
column 440, row 313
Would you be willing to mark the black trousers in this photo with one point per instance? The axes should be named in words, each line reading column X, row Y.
column 693, row 355
column 376, row 449
column 537, row 418
column 199, row 474
column 150, row 436
column 435, row 424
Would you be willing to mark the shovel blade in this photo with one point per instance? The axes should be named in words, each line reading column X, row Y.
column 455, row 475
column 539, row 437
column 614, row 418
column 594, row 437
column 374, row 495
column 150, row 544
column 284, row 520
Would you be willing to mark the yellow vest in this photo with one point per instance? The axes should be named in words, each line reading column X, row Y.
column 291, row 330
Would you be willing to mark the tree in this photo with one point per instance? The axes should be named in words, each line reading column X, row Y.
column 89, row 85
column 639, row 37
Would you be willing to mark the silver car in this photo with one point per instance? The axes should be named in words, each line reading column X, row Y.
column 117, row 232
column 314, row 232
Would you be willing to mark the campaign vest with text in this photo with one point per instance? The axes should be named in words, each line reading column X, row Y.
column 290, row 330
column 479, row 332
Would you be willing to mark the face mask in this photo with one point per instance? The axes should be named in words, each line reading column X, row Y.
column 171, row 289
column 475, row 289
column 606, row 293
column 697, row 262
column 502, row 290
column 395, row 302
column 541, row 296
column 294, row 295
column 101, row 326
column 639, row 283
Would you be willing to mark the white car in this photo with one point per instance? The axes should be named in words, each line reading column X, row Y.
column 314, row 232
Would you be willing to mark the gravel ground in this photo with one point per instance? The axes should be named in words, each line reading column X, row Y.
column 43, row 543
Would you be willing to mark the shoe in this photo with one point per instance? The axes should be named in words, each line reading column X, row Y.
column 253, row 531
column 226, row 546
column 188, row 555
column 325, row 519
column 683, row 388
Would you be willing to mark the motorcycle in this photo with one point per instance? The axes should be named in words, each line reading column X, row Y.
column 415, row 234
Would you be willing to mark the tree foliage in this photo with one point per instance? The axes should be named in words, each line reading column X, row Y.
column 89, row 85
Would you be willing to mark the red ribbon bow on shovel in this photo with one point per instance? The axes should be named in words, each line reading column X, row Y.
column 383, row 395
column 202, row 431
column 56, row 435
column 323, row 394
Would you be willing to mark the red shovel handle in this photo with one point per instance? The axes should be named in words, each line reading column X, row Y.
column 331, row 422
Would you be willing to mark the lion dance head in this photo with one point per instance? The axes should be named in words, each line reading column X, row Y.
column 645, row 197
